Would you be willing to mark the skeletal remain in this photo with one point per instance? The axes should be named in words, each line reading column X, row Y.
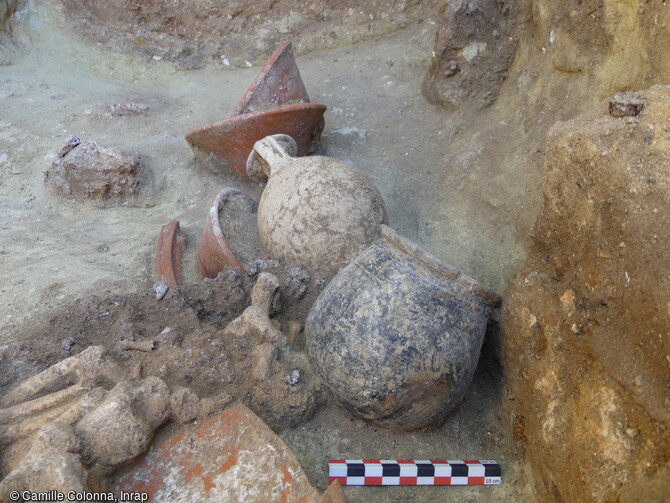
column 264, row 355
column 184, row 405
column 125, row 345
column 70, row 409
column 25, row 409
column 255, row 320
column 51, row 464
column 293, row 329
column 61, row 427
column 90, row 363
column 90, row 425
column 68, row 384
column 122, row 426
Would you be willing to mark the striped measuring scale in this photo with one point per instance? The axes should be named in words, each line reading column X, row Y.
column 412, row 472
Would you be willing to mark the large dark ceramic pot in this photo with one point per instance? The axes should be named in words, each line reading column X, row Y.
column 396, row 335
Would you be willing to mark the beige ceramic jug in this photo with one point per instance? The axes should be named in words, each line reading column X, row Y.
column 316, row 211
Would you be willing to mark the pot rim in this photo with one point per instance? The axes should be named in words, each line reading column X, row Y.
column 259, row 113
column 232, row 139
column 411, row 248
column 441, row 267
column 219, row 199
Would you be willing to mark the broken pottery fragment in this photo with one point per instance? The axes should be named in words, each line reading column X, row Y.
column 276, row 102
column 316, row 211
column 231, row 140
column 233, row 456
column 403, row 351
column 90, row 170
column 279, row 83
column 235, row 212
column 168, row 254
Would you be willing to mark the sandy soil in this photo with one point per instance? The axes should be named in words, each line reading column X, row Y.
column 456, row 183
column 55, row 249
column 465, row 186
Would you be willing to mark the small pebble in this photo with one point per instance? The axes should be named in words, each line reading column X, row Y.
column 293, row 377
column 69, row 144
column 625, row 105
column 452, row 68
column 68, row 343
column 161, row 288
column 297, row 283
column 267, row 264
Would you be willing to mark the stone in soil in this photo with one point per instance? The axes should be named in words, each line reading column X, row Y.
column 89, row 170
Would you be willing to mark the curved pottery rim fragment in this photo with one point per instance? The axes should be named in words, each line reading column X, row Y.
column 214, row 254
column 279, row 82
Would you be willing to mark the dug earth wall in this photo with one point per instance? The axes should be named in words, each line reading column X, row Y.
column 587, row 319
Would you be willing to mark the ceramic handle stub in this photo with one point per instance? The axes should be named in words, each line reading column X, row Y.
column 270, row 154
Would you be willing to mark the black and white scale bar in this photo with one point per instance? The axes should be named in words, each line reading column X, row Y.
column 414, row 472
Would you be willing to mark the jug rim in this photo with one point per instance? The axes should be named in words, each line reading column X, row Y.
column 411, row 248
column 440, row 267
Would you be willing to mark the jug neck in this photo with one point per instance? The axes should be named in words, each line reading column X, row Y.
column 270, row 155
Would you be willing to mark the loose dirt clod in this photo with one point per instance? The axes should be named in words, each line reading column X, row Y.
column 90, row 170
column 625, row 105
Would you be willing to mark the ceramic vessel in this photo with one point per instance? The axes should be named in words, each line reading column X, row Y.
column 276, row 102
column 316, row 211
column 214, row 253
column 396, row 335
column 168, row 254
column 224, row 146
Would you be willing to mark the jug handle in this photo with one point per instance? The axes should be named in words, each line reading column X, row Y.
column 270, row 154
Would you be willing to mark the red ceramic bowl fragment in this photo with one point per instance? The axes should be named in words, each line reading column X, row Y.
column 168, row 254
